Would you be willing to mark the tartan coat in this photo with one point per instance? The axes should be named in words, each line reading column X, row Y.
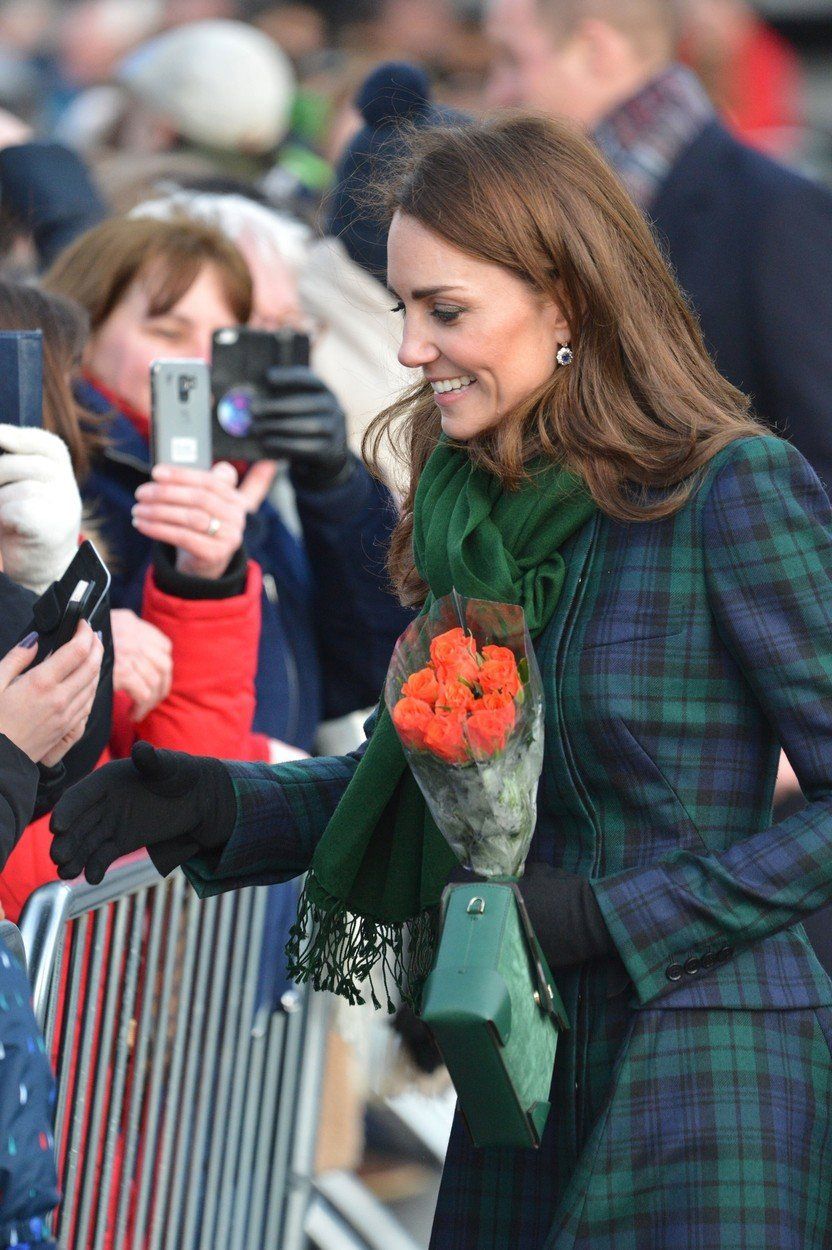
column 692, row 1095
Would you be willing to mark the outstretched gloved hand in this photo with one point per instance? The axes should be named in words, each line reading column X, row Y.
column 175, row 804
column 301, row 421
column 40, row 507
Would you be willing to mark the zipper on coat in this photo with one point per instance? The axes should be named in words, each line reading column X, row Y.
column 581, row 1011
column 270, row 588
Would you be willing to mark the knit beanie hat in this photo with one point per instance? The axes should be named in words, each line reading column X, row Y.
column 221, row 84
column 393, row 98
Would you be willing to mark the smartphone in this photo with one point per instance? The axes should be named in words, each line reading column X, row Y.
column 240, row 360
column 21, row 377
column 77, row 608
column 180, row 413
column 80, row 594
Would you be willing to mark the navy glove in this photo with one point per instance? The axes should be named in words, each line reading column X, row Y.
column 301, row 421
column 565, row 916
column 177, row 805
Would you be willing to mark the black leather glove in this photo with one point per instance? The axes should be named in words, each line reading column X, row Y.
column 565, row 916
column 417, row 1040
column 301, row 421
column 175, row 804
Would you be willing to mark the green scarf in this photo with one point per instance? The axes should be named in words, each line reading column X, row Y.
column 380, row 867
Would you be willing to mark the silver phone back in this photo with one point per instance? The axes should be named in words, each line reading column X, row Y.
column 180, row 425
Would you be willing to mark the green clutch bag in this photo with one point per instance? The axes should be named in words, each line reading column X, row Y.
column 495, row 1013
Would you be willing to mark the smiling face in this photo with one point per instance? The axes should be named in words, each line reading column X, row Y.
column 483, row 337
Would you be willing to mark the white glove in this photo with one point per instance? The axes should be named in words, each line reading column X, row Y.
column 40, row 507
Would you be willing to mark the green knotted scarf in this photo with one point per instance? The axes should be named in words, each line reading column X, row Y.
column 379, row 870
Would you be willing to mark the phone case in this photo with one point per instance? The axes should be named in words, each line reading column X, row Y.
column 180, row 426
column 52, row 614
column 240, row 360
column 21, row 377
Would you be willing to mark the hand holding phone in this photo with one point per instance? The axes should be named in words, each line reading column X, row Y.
column 301, row 421
column 81, row 594
column 40, row 506
column 44, row 709
column 200, row 513
column 241, row 362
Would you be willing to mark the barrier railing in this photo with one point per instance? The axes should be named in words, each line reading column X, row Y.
column 186, row 1116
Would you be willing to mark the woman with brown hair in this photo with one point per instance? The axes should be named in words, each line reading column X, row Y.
column 159, row 289
column 173, row 682
column 574, row 450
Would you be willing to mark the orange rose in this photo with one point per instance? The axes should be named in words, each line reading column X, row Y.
column 422, row 685
column 499, row 672
column 488, row 730
column 445, row 737
column 412, row 718
column 492, row 700
column 505, row 654
column 444, row 647
column 454, row 695
column 460, row 667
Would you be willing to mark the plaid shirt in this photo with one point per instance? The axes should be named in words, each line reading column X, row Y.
column 691, row 1105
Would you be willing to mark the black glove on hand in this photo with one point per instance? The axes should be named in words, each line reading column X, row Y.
column 417, row 1040
column 301, row 421
column 173, row 803
column 565, row 916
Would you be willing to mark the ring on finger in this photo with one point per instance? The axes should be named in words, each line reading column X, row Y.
column 213, row 526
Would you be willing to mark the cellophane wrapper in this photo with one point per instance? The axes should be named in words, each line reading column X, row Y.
column 486, row 805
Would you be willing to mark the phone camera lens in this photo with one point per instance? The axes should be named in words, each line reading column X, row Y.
column 187, row 382
column 234, row 411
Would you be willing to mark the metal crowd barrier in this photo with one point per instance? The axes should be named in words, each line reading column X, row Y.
column 186, row 1118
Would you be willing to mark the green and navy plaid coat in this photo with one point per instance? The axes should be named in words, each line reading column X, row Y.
column 692, row 1098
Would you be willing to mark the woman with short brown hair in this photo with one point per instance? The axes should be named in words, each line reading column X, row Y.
column 157, row 289
column 574, row 450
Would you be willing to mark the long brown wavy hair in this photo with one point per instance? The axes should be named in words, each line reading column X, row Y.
column 642, row 408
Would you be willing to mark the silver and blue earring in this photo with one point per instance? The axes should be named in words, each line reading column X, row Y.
column 564, row 355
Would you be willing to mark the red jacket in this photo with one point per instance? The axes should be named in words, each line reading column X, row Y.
column 208, row 711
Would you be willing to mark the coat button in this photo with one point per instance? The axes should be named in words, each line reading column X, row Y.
column 724, row 953
column 692, row 966
column 675, row 972
column 708, row 961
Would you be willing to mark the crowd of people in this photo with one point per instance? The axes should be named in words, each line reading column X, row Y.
column 167, row 174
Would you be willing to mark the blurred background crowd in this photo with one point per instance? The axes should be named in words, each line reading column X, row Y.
column 169, row 168
column 273, row 100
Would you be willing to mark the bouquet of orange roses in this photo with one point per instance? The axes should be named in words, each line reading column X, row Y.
column 465, row 696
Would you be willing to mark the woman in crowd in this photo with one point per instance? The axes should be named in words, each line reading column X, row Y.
column 155, row 289
column 573, row 449
column 175, row 682
column 183, row 676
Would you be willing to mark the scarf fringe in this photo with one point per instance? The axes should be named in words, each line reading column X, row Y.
column 335, row 950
